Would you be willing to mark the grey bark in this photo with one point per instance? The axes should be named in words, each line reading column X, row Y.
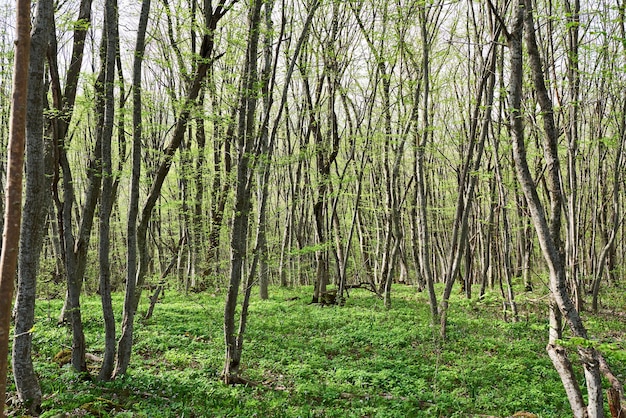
column 548, row 232
column 243, row 205
column 133, row 205
column 74, row 248
column 106, row 200
column 468, row 181
column 572, row 203
column 588, row 356
column 421, row 203
column 34, row 215
column 63, row 103
column 266, row 90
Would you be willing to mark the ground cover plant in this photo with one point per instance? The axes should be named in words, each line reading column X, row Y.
column 310, row 361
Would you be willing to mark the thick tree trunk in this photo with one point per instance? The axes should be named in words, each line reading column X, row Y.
column 33, row 228
column 13, row 191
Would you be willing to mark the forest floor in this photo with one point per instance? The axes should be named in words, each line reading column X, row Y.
column 359, row 360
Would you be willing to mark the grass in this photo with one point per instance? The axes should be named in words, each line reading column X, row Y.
column 355, row 361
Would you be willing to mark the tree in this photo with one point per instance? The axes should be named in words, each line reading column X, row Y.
column 35, row 211
column 73, row 246
column 134, row 283
column 468, row 179
column 13, row 190
column 133, row 204
column 245, row 150
column 250, row 146
column 421, row 238
column 548, row 228
column 106, row 199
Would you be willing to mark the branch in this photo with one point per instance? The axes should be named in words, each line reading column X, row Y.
column 499, row 19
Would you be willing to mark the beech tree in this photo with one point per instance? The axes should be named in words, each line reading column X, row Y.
column 106, row 198
column 251, row 142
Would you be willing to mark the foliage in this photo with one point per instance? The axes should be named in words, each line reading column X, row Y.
column 358, row 360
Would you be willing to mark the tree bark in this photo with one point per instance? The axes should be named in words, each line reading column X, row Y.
column 421, row 141
column 548, row 232
column 106, row 200
column 467, row 186
column 243, row 205
column 133, row 206
column 35, row 211
column 63, row 104
column 13, row 191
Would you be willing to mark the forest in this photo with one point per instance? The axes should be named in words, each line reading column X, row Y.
column 313, row 208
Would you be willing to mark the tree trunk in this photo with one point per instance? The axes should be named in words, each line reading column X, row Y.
column 35, row 211
column 245, row 170
column 548, row 232
column 106, row 200
column 133, row 205
column 74, row 248
column 13, row 191
column 63, row 104
column 243, row 204
column 267, row 81
column 421, row 142
column 571, row 132
column 468, row 181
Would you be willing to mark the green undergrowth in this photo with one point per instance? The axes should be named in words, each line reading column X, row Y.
column 359, row 360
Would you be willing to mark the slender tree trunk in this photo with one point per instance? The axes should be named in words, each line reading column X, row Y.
column 571, row 132
column 239, row 241
column 36, row 208
column 548, row 232
column 615, row 222
column 421, row 142
column 133, row 205
column 468, row 181
column 245, row 171
column 267, row 81
column 75, row 247
column 13, row 191
column 506, row 239
column 63, row 103
column 135, row 282
column 106, row 200
column 197, row 216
